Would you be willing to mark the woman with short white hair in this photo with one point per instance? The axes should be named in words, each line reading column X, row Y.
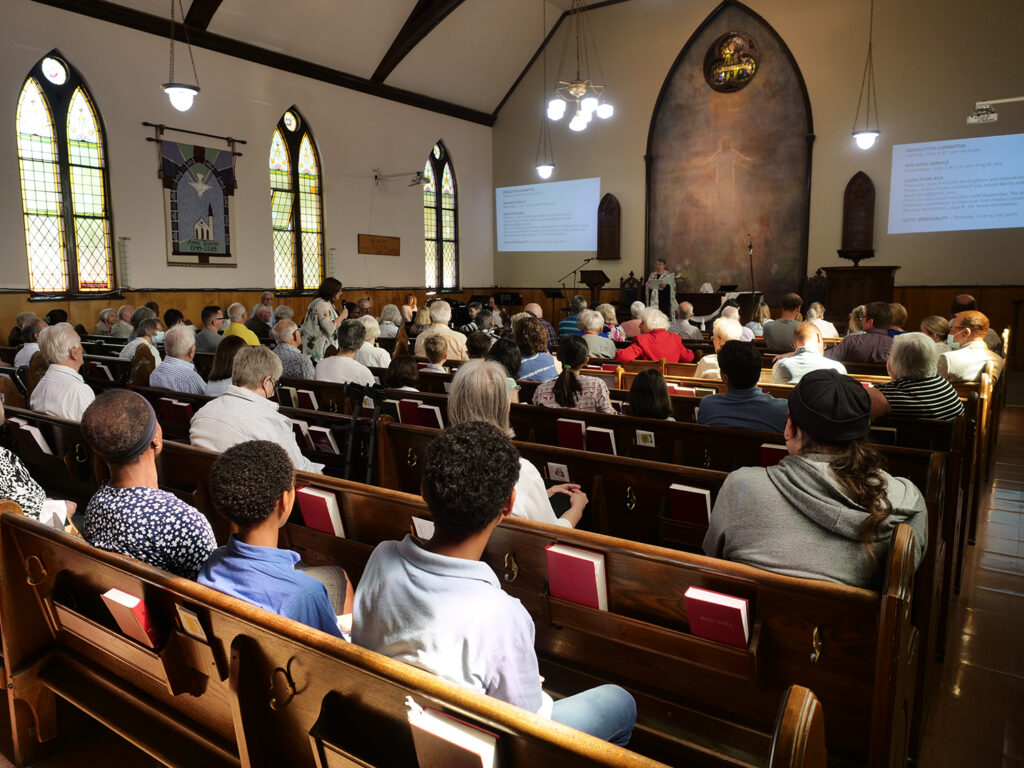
column 370, row 354
column 915, row 389
column 479, row 393
column 816, row 315
column 592, row 323
column 390, row 321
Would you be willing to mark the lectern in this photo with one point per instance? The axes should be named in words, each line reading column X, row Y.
column 847, row 287
column 594, row 278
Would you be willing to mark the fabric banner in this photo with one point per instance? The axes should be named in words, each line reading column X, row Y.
column 199, row 186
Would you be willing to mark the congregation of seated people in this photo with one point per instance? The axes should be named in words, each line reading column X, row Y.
column 825, row 512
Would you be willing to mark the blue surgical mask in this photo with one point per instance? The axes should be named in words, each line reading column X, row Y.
column 158, row 337
column 949, row 340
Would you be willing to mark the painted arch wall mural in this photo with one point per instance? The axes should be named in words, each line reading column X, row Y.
column 729, row 153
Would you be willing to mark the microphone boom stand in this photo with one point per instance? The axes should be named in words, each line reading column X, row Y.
column 574, row 272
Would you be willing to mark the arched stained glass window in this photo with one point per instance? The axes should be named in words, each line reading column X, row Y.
column 64, row 187
column 440, row 221
column 298, row 229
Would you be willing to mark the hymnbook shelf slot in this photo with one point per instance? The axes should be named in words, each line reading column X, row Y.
column 635, row 634
column 182, row 664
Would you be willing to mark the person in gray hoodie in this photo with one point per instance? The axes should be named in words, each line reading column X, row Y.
column 827, row 511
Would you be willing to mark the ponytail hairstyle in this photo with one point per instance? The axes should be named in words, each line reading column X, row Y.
column 573, row 354
column 857, row 467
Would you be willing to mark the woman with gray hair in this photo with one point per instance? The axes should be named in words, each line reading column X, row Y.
column 140, row 314
column 370, row 354
column 145, row 333
column 936, row 328
column 915, row 389
column 283, row 312
column 479, row 393
column 592, row 323
column 390, row 321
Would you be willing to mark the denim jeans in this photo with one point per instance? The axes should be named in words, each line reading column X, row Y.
column 607, row 712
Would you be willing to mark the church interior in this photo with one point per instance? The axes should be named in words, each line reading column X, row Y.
column 746, row 187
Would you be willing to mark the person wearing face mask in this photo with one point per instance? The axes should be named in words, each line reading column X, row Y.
column 147, row 332
column 244, row 411
column 970, row 354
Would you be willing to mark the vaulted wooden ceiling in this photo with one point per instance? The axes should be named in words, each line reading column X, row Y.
column 457, row 57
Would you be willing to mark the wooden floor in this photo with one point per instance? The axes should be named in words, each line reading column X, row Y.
column 977, row 716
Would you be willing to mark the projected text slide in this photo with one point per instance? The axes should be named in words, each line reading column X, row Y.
column 961, row 184
column 559, row 216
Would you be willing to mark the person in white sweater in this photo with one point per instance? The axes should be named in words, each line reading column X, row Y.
column 480, row 393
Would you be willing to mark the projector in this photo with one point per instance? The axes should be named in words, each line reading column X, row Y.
column 982, row 114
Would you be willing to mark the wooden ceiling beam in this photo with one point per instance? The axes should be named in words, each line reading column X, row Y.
column 200, row 13
column 424, row 17
column 157, row 25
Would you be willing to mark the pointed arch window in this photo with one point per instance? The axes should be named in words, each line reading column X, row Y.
column 64, row 186
column 440, row 220
column 296, row 205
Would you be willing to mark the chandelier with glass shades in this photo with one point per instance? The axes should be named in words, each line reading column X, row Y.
column 586, row 95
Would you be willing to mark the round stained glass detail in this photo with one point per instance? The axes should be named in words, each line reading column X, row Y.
column 55, row 71
column 291, row 122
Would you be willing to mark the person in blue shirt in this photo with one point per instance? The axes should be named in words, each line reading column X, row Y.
column 743, row 404
column 253, row 487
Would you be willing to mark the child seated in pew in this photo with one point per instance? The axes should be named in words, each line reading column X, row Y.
column 570, row 389
column 433, row 604
column 827, row 510
column 648, row 397
column 435, row 349
column 129, row 514
column 253, row 486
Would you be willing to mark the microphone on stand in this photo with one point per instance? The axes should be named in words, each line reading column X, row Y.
column 750, row 244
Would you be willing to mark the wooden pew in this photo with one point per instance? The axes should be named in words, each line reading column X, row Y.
column 259, row 690
column 119, row 369
column 689, row 690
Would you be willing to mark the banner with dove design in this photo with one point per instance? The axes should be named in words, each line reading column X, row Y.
column 199, row 185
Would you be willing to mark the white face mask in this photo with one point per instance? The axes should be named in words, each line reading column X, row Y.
column 158, row 337
column 950, row 339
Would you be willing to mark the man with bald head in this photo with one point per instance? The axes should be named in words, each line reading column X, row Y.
column 176, row 371
column 682, row 326
column 809, row 355
column 129, row 514
column 534, row 309
column 965, row 302
column 970, row 354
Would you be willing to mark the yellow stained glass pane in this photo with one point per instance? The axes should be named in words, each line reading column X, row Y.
column 430, row 263
column 307, row 158
column 447, row 184
column 279, row 162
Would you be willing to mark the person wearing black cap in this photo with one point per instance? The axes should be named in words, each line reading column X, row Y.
column 827, row 511
column 129, row 514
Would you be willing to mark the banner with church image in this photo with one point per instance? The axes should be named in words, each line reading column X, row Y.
column 199, row 186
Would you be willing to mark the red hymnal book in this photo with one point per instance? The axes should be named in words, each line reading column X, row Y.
column 718, row 617
column 100, row 371
column 609, row 366
column 175, row 411
column 577, row 575
column 430, row 416
column 688, row 504
column 772, row 454
column 572, row 434
column 408, row 410
column 307, row 399
column 443, row 741
column 132, row 617
column 601, row 439
column 320, row 510
column 682, row 391
column 323, row 440
column 302, row 437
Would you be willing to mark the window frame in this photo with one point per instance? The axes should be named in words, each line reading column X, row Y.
column 437, row 166
column 293, row 142
column 58, row 100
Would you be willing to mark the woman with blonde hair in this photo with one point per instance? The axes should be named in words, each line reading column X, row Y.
column 479, row 393
column 856, row 315
column 612, row 329
column 936, row 328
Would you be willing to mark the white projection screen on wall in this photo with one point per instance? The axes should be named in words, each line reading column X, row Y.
column 557, row 216
column 942, row 186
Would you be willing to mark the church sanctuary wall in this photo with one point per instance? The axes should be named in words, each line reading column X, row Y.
column 355, row 132
column 932, row 60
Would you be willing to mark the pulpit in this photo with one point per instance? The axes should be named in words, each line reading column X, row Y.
column 848, row 287
column 594, row 279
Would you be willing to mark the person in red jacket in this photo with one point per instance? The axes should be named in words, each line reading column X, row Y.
column 655, row 342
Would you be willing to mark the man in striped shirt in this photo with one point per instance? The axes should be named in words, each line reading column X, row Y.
column 176, row 371
column 916, row 390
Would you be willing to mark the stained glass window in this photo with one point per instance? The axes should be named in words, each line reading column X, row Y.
column 298, row 228
column 440, row 221
column 61, row 156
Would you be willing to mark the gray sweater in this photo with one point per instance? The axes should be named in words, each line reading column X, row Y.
column 794, row 519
